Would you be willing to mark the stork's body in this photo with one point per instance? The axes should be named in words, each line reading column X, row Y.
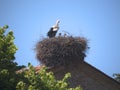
column 53, row 30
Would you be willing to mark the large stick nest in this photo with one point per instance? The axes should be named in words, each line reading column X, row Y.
column 60, row 51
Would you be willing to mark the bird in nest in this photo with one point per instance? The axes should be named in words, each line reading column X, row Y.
column 53, row 30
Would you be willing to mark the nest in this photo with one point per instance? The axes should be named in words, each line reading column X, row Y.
column 60, row 51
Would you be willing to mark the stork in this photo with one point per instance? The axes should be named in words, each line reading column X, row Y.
column 53, row 30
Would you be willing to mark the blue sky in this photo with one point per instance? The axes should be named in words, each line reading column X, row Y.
column 97, row 20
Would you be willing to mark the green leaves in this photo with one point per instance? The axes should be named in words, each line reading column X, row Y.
column 117, row 76
column 4, row 72
column 7, row 46
column 43, row 80
column 8, row 77
column 21, row 85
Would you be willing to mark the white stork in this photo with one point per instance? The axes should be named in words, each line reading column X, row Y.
column 53, row 30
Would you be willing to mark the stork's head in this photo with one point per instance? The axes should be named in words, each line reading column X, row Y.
column 56, row 26
column 58, row 21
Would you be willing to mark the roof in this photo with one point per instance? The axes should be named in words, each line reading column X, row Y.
column 102, row 73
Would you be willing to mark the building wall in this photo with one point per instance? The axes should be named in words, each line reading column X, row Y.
column 88, row 77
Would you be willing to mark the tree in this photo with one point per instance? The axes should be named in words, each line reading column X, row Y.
column 117, row 77
column 43, row 80
column 8, row 77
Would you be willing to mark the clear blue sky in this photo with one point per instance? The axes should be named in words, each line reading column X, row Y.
column 97, row 20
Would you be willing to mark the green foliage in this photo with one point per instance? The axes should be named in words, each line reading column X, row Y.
column 7, row 49
column 7, row 46
column 117, row 77
column 8, row 77
column 43, row 80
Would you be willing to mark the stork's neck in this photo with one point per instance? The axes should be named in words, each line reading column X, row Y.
column 57, row 23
